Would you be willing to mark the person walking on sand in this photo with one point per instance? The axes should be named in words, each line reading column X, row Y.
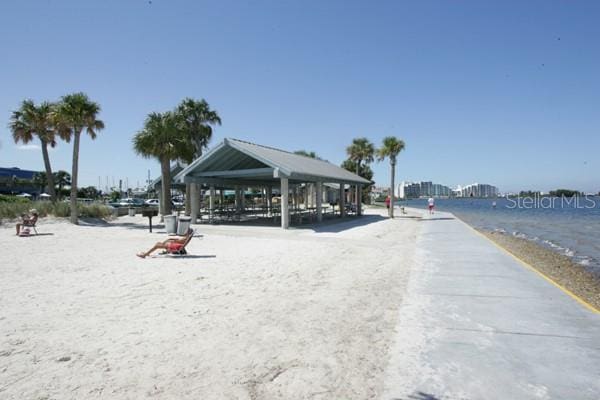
column 431, row 203
column 387, row 202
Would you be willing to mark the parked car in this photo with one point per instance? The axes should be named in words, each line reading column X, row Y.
column 177, row 203
column 156, row 202
column 131, row 202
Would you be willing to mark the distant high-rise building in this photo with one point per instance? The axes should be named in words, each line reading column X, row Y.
column 413, row 190
column 478, row 190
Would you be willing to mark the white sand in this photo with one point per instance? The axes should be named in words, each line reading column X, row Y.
column 253, row 313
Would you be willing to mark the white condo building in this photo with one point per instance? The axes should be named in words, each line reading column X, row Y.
column 478, row 190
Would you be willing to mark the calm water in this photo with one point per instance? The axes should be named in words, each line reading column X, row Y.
column 565, row 226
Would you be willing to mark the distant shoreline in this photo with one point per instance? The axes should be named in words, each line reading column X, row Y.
column 560, row 268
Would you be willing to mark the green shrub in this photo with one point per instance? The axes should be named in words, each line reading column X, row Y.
column 13, row 210
column 95, row 211
column 13, row 199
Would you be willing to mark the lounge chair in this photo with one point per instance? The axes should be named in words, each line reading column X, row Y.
column 181, row 251
column 28, row 222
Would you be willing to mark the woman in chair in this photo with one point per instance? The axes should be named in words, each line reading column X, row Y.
column 172, row 245
column 27, row 220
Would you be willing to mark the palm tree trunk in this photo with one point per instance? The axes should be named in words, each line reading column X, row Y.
column 49, row 176
column 165, row 167
column 393, row 164
column 75, row 170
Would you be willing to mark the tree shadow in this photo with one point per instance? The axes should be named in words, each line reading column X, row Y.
column 100, row 223
column 436, row 219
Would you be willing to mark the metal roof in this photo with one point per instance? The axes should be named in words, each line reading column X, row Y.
column 247, row 162
column 175, row 169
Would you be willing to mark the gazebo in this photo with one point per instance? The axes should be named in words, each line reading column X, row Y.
column 236, row 164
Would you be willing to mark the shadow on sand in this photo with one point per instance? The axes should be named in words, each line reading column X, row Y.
column 100, row 223
column 183, row 256
column 436, row 219
column 329, row 224
column 336, row 225
column 418, row 396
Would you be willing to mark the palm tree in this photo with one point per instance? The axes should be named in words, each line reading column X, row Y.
column 40, row 181
column 391, row 147
column 31, row 120
column 161, row 138
column 76, row 113
column 61, row 179
column 196, row 120
column 360, row 150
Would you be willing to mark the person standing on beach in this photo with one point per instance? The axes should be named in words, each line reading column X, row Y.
column 431, row 203
column 387, row 202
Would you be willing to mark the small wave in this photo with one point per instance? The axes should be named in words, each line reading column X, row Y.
column 586, row 262
column 519, row 235
column 569, row 253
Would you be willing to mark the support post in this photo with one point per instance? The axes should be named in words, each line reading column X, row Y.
column 211, row 202
column 237, row 200
column 194, row 201
column 285, row 209
column 342, row 201
column 359, row 200
column 319, row 201
column 269, row 200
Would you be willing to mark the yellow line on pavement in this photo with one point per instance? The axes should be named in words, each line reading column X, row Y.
column 532, row 268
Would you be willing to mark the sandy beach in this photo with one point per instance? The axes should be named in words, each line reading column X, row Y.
column 251, row 313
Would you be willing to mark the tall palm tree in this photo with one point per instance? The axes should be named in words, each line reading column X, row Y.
column 161, row 138
column 391, row 147
column 76, row 113
column 360, row 150
column 196, row 120
column 31, row 120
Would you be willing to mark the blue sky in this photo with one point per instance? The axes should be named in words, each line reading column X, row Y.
column 506, row 93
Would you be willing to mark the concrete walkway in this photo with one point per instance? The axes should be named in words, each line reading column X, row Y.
column 476, row 324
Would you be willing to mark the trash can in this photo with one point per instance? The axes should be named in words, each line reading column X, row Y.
column 171, row 224
column 183, row 225
column 132, row 212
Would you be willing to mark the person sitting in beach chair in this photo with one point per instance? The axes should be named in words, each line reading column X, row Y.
column 172, row 245
column 27, row 221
